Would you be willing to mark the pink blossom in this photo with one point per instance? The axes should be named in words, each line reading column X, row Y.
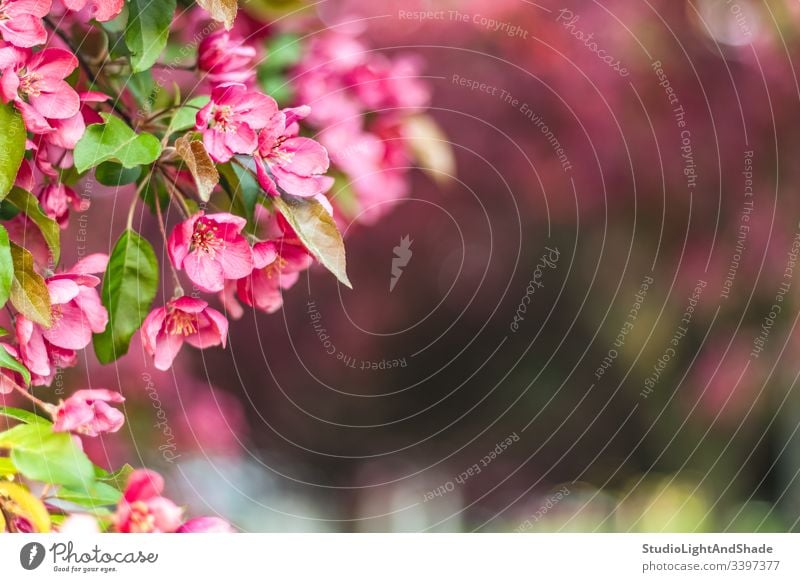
column 38, row 355
column 68, row 131
column 206, row 525
column 56, row 200
column 230, row 120
column 87, row 412
column 21, row 21
column 76, row 310
column 226, row 60
column 296, row 164
column 76, row 313
column 278, row 267
column 182, row 320
column 100, row 10
column 211, row 249
column 143, row 509
column 37, row 87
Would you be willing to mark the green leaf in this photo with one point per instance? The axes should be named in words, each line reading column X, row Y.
column 118, row 479
column 114, row 140
column 11, row 363
column 13, row 131
column 129, row 287
column 241, row 186
column 29, row 293
column 6, row 267
column 29, row 205
column 43, row 455
column 317, row 231
column 97, row 493
column 185, row 117
column 114, row 174
column 6, row 466
column 147, row 31
column 23, row 415
column 144, row 90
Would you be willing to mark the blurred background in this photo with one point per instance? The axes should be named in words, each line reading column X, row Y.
column 590, row 325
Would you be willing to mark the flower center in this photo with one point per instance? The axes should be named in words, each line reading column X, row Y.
column 275, row 267
column 222, row 119
column 56, row 313
column 3, row 10
column 29, row 83
column 205, row 239
column 142, row 521
column 181, row 323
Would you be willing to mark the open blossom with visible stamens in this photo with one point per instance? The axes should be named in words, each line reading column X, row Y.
column 225, row 59
column 296, row 164
column 281, row 262
column 37, row 87
column 230, row 119
column 87, row 412
column 182, row 320
column 211, row 248
column 143, row 509
column 21, row 21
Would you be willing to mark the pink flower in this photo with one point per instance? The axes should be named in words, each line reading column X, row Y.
column 76, row 313
column 68, row 131
column 228, row 122
column 182, row 320
column 226, row 60
column 87, row 412
column 100, row 10
column 41, row 357
column 143, row 509
column 206, row 525
column 37, row 87
column 211, row 249
column 56, row 200
column 21, row 21
column 296, row 164
column 278, row 266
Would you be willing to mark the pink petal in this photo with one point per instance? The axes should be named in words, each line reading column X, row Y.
column 143, row 484
column 24, row 30
column 167, row 348
column 71, row 331
column 189, row 304
column 264, row 253
column 206, row 273
column 94, row 263
column 62, row 103
column 236, row 259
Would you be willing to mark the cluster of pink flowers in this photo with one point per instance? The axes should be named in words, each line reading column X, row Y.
column 361, row 100
column 33, row 78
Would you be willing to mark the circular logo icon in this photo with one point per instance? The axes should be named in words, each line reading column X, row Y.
column 31, row 555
